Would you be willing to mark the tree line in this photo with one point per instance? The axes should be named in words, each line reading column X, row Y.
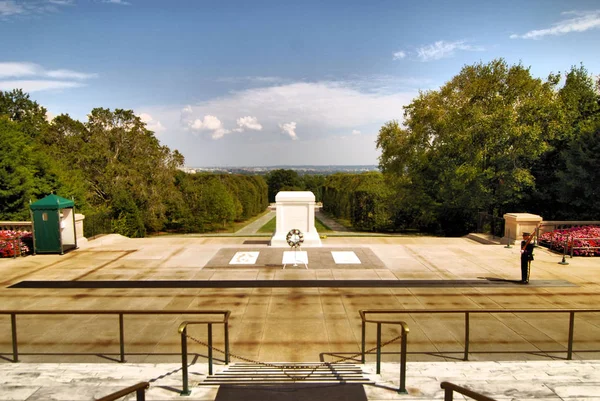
column 115, row 169
column 495, row 139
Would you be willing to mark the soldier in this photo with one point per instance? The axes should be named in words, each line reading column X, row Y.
column 526, row 257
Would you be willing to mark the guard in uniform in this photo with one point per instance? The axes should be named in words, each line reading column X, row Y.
column 526, row 257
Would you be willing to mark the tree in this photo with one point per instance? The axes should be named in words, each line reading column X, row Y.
column 19, row 108
column 282, row 180
column 579, row 182
column 579, row 106
column 16, row 172
column 116, row 155
column 470, row 145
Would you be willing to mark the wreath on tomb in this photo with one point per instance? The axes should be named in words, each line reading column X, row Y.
column 294, row 238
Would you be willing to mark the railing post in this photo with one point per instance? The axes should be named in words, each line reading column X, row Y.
column 402, row 388
column 226, row 330
column 210, row 350
column 466, row 355
column 448, row 394
column 572, row 246
column 564, row 262
column 378, row 348
column 13, row 326
column 571, row 328
column 362, row 350
column 508, row 240
column 184, row 364
column 140, row 394
column 121, row 339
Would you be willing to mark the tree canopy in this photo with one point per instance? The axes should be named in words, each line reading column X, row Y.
column 479, row 143
column 115, row 169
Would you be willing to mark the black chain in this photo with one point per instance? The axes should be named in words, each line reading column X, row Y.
column 283, row 368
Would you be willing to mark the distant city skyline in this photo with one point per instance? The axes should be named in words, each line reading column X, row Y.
column 267, row 83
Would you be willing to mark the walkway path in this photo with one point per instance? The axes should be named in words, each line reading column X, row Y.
column 253, row 227
column 329, row 222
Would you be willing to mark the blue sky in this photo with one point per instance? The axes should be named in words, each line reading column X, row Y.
column 254, row 83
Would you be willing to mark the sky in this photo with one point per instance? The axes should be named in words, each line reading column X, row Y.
column 264, row 83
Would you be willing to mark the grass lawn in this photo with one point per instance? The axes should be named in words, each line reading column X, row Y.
column 270, row 227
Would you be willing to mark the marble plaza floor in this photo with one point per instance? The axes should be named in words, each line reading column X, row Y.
column 296, row 323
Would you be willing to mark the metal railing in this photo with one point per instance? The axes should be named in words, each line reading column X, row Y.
column 120, row 313
column 467, row 322
column 404, row 333
column 572, row 242
column 450, row 388
column 139, row 389
column 184, row 336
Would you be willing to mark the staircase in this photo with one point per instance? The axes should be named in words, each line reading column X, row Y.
column 285, row 373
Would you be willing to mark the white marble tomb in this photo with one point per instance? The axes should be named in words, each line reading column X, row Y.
column 295, row 209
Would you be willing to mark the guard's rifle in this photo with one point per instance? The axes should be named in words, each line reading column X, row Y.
column 534, row 234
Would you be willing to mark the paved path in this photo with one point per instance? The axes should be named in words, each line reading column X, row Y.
column 253, row 227
column 329, row 222
column 503, row 381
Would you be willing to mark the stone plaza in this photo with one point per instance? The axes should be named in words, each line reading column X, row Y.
column 281, row 318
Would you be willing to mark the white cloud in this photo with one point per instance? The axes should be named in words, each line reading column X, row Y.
column 37, row 85
column 68, row 74
column 254, row 80
column 151, row 124
column 289, row 129
column 249, row 123
column 355, row 132
column 17, row 70
column 10, row 7
column 60, row 79
column 120, row 2
column 321, row 112
column 581, row 22
column 399, row 55
column 208, row 123
column 442, row 49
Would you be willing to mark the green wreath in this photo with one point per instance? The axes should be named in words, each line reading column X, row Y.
column 294, row 238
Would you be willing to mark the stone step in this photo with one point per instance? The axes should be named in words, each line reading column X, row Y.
column 280, row 372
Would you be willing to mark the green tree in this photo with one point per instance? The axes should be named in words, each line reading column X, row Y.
column 579, row 182
column 17, row 105
column 16, row 171
column 282, row 180
column 579, row 107
column 469, row 146
column 116, row 154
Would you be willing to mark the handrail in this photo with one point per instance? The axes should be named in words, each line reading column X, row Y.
column 404, row 333
column 449, row 388
column 121, row 313
column 468, row 312
column 139, row 389
column 573, row 239
column 183, row 331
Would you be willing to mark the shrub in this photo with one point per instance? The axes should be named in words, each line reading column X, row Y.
column 586, row 237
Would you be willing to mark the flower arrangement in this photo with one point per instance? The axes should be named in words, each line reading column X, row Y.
column 15, row 243
column 587, row 238
column 294, row 238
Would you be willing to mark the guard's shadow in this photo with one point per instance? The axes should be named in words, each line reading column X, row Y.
column 504, row 280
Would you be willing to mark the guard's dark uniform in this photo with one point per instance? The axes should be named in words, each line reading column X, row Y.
column 526, row 258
